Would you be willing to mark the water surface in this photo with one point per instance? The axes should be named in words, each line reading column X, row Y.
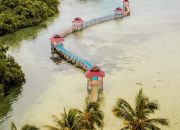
column 139, row 51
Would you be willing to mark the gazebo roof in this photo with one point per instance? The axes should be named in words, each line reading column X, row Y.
column 56, row 38
column 119, row 9
column 90, row 74
column 95, row 68
column 125, row 1
column 95, row 71
column 77, row 19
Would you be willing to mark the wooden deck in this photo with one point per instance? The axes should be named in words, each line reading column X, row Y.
column 94, row 94
column 77, row 61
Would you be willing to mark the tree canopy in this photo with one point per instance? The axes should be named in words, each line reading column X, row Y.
column 11, row 74
column 16, row 14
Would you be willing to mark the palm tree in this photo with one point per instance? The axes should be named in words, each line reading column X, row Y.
column 138, row 118
column 76, row 119
column 90, row 118
column 67, row 121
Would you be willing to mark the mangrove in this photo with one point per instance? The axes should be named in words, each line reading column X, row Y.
column 17, row 14
column 11, row 74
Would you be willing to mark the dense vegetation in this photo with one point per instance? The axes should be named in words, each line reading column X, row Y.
column 11, row 74
column 16, row 14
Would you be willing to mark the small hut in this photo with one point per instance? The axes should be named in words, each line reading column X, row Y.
column 56, row 39
column 118, row 11
column 95, row 77
column 77, row 23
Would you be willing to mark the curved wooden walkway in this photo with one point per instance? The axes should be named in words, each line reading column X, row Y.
column 79, row 24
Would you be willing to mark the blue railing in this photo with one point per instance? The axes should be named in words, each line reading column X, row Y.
column 70, row 56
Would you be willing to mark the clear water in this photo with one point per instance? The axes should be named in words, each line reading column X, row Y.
column 139, row 51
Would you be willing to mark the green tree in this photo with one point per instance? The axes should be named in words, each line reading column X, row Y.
column 76, row 119
column 90, row 118
column 67, row 121
column 9, row 3
column 138, row 118
column 11, row 74
column 16, row 14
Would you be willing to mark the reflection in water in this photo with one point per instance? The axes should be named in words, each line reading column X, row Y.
column 29, row 33
column 56, row 58
column 5, row 103
column 16, row 38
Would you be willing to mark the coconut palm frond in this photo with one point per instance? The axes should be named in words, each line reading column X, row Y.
column 150, row 126
column 145, row 113
column 59, row 122
column 160, row 121
column 97, row 119
column 92, row 105
column 140, row 102
column 153, row 105
column 149, row 108
column 122, row 114
column 98, row 114
column 124, row 104
column 77, row 111
column 72, row 117
column 67, row 120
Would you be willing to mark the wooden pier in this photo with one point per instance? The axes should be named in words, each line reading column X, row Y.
column 92, row 71
column 94, row 94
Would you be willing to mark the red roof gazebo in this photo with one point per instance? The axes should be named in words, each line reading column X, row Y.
column 118, row 10
column 78, row 20
column 95, row 71
column 77, row 23
column 56, row 38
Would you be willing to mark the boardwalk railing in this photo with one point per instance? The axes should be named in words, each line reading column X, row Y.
column 79, row 62
column 69, row 30
column 100, row 20
column 70, row 57
column 57, row 45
